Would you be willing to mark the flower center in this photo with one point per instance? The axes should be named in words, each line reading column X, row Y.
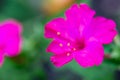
column 80, row 44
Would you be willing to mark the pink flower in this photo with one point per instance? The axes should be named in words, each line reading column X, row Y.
column 79, row 36
column 10, row 39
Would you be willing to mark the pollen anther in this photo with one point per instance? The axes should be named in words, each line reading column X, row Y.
column 74, row 49
column 68, row 44
column 58, row 33
column 68, row 54
column 61, row 45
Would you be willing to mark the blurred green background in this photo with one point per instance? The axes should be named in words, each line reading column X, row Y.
column 33, row 63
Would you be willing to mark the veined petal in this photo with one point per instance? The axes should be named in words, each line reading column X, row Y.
column 91, row 55
column 60, row 60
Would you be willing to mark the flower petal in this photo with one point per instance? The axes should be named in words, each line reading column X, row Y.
column 59, row 28
column 73, row 15
column 78, row 18
column 1, row 57
column 13, row 46
column 103, row 29
column 54, row 28
column 79, row 14
column 60, row 60
column 59, row 47
column 87, row 13
column 10, row 31
column 91, row 55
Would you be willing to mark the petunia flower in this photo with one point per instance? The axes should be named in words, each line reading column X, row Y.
column 79, row 36
column 10, row 39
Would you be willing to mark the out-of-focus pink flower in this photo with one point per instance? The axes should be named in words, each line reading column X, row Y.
column 10, row 39
column 79, row 36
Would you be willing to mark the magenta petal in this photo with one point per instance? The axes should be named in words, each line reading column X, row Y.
column 1, row 60
column 58, row 28
column 58, row 47
column 13, row 46
column 103, row 29
column 106, row 37
column 87, row 13
column 78, row 18
column 1, row 57
column 60, row 60
column 73, row 15
column 79, row 14
column 54, row 28
column 91, row 55
column 102, row 22
column 10, row 41
column 11, row 26
column 84, row 59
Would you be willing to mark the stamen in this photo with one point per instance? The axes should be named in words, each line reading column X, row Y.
column 61, row 45
column 58, row 33
column 68, row 44
column 68, row 54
